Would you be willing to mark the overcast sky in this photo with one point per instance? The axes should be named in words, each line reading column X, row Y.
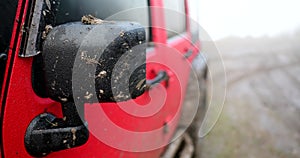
column 221, row 18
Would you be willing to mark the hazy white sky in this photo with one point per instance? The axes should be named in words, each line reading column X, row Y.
column 221, row 18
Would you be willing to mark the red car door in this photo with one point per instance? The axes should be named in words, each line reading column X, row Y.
column 169, row 53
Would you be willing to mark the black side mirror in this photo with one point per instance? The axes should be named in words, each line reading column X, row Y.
column 81, row 62
column 95, row 47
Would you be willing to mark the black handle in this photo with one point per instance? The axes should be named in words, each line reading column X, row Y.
column 188, row 53
column 47, row 133
column 161, row 76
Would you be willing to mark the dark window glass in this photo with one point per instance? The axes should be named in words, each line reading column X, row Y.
column 7, row 14
column 121, row 10
column 175, row 17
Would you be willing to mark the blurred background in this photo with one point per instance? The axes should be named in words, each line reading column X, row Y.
column 249, row 17
column 259, row 44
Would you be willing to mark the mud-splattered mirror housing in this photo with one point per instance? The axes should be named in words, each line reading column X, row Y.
column 104, row 61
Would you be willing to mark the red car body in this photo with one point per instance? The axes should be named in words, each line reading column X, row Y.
column 20, row 104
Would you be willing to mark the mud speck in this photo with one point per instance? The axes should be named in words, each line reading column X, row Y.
column 88, row 95
column 101, row 91
column 48, row 28
column 90, row 20
column 122, row 34
column 140, row 84
column 63, row 99
column 44, row 13
column 48, row 4
column 88, row 59
column 73, row 130
column 102, row 74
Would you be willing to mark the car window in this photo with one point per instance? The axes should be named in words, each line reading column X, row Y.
column 175, row 17
column 194, row 19
column 121, row 10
